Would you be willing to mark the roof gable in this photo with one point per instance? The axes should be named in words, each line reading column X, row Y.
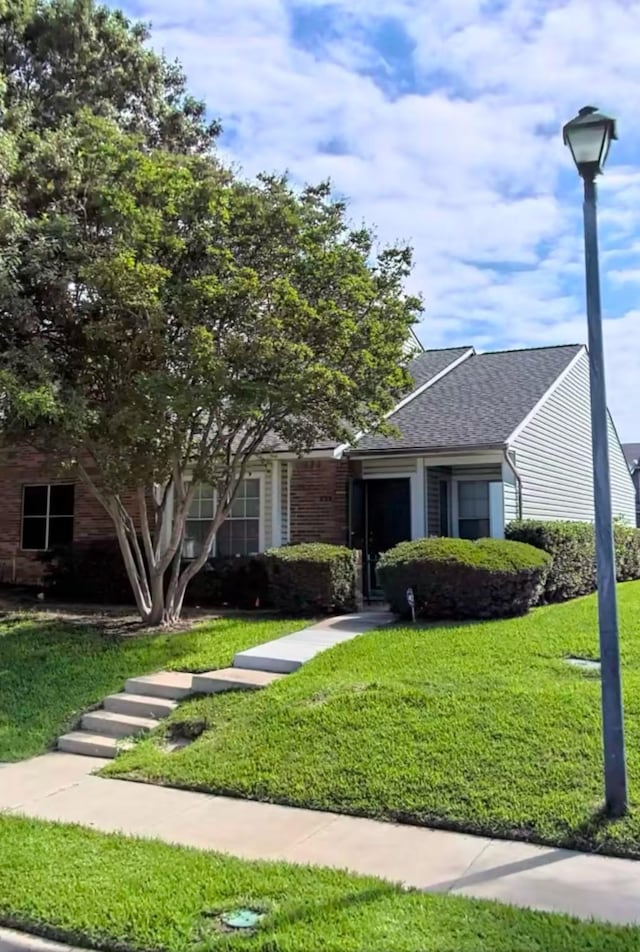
column 480, row 402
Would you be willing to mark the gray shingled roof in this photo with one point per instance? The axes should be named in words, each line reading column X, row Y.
column 422, row 368
column 632, row 452
column 432, row 362
column 479, row 403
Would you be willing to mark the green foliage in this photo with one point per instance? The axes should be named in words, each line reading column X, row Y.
column 456, row 578
column 161, row 318
column 62, row 56
column 627, row 546
column 239, row 582
column 60, row 59
column 89, row 572
column 313, row 577
column 53, row 669
column 482, row 727
column 84, row 887
column 572, row 548
column 93, row 572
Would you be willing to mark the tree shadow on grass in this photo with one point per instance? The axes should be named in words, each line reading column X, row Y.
column 311, row 912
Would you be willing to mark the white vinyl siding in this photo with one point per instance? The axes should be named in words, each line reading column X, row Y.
column 553, row 457
column 623, row 494
column 388, row 467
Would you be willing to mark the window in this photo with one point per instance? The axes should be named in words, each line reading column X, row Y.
column 473, row 509
column 47, row 516
column 239, row 534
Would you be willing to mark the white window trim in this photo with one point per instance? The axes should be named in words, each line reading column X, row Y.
column 46, row 517
column 260, row 476
column 276, row 503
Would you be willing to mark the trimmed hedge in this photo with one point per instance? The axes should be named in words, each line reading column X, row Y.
column 91, row 571
column 236, row 582
column 94, row 572
column 457, row 578
column 572, row 548
column 314, row 577
column 627, row 543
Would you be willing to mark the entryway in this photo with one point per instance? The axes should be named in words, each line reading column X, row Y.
column 380, row 517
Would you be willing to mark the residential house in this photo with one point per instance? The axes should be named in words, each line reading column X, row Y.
column 632, row 453
column 480, row 440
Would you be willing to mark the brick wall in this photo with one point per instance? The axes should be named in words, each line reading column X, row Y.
column 319, row 490
column 25, row 466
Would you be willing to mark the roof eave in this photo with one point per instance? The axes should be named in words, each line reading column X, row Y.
column 425, row 450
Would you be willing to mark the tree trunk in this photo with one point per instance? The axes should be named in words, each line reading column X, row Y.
column 158, row 613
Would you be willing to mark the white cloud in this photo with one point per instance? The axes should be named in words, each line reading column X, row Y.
column 469, row 167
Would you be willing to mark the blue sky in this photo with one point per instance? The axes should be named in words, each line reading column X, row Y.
column 440, row 121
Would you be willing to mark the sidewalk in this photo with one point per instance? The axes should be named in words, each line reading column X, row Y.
column 60, row 787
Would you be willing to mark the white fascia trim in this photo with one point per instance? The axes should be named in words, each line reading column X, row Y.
column 289, row 455
column 548, row 393
column 339, row 450
column 276, row 504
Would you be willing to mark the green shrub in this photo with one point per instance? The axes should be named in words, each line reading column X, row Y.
column 456, row 578
column 627, row 543
column 572, row 548
column 89, row 571
column 313, row 577
column 234, row 582
column 93, row 571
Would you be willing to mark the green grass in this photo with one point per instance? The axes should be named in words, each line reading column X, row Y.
column 109, row 891
column 51, row 670
column 481, row 727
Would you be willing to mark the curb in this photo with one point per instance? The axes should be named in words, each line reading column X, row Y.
column 13, row 941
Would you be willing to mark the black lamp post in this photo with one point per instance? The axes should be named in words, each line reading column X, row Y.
column 589, row 136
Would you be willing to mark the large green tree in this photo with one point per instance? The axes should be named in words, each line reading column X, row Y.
column 183, row 321
column 57, row 59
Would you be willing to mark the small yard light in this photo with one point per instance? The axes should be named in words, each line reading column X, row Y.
column 589, row 136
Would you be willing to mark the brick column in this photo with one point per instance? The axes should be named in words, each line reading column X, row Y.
column 318, row 505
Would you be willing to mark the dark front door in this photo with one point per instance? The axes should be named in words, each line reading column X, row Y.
column 380, row 518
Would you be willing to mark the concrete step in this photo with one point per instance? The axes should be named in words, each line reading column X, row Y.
column 116, row 725
column 91, row 745
column 168, row 684
column 232, row 679
column 276, row 657
column 140, row 705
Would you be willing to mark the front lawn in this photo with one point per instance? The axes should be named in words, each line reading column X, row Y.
column 482, row 727
column 51, row 669
column 113, row 892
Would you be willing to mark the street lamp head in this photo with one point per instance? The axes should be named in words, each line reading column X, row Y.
column 589, row 136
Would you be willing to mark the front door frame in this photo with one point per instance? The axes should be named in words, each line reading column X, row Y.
column 416, row 502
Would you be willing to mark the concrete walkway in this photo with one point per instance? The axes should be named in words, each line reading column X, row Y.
column 60, row 787
column 149, row 698
column 287, row 654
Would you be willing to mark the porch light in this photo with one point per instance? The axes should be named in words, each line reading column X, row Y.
column 589, row 136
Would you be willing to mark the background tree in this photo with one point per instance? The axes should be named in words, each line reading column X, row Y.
column 59, row 58
column 187, row 320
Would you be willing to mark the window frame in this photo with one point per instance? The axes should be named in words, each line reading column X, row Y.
column 47, row 515
column 213, row 553
column 461, row 480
